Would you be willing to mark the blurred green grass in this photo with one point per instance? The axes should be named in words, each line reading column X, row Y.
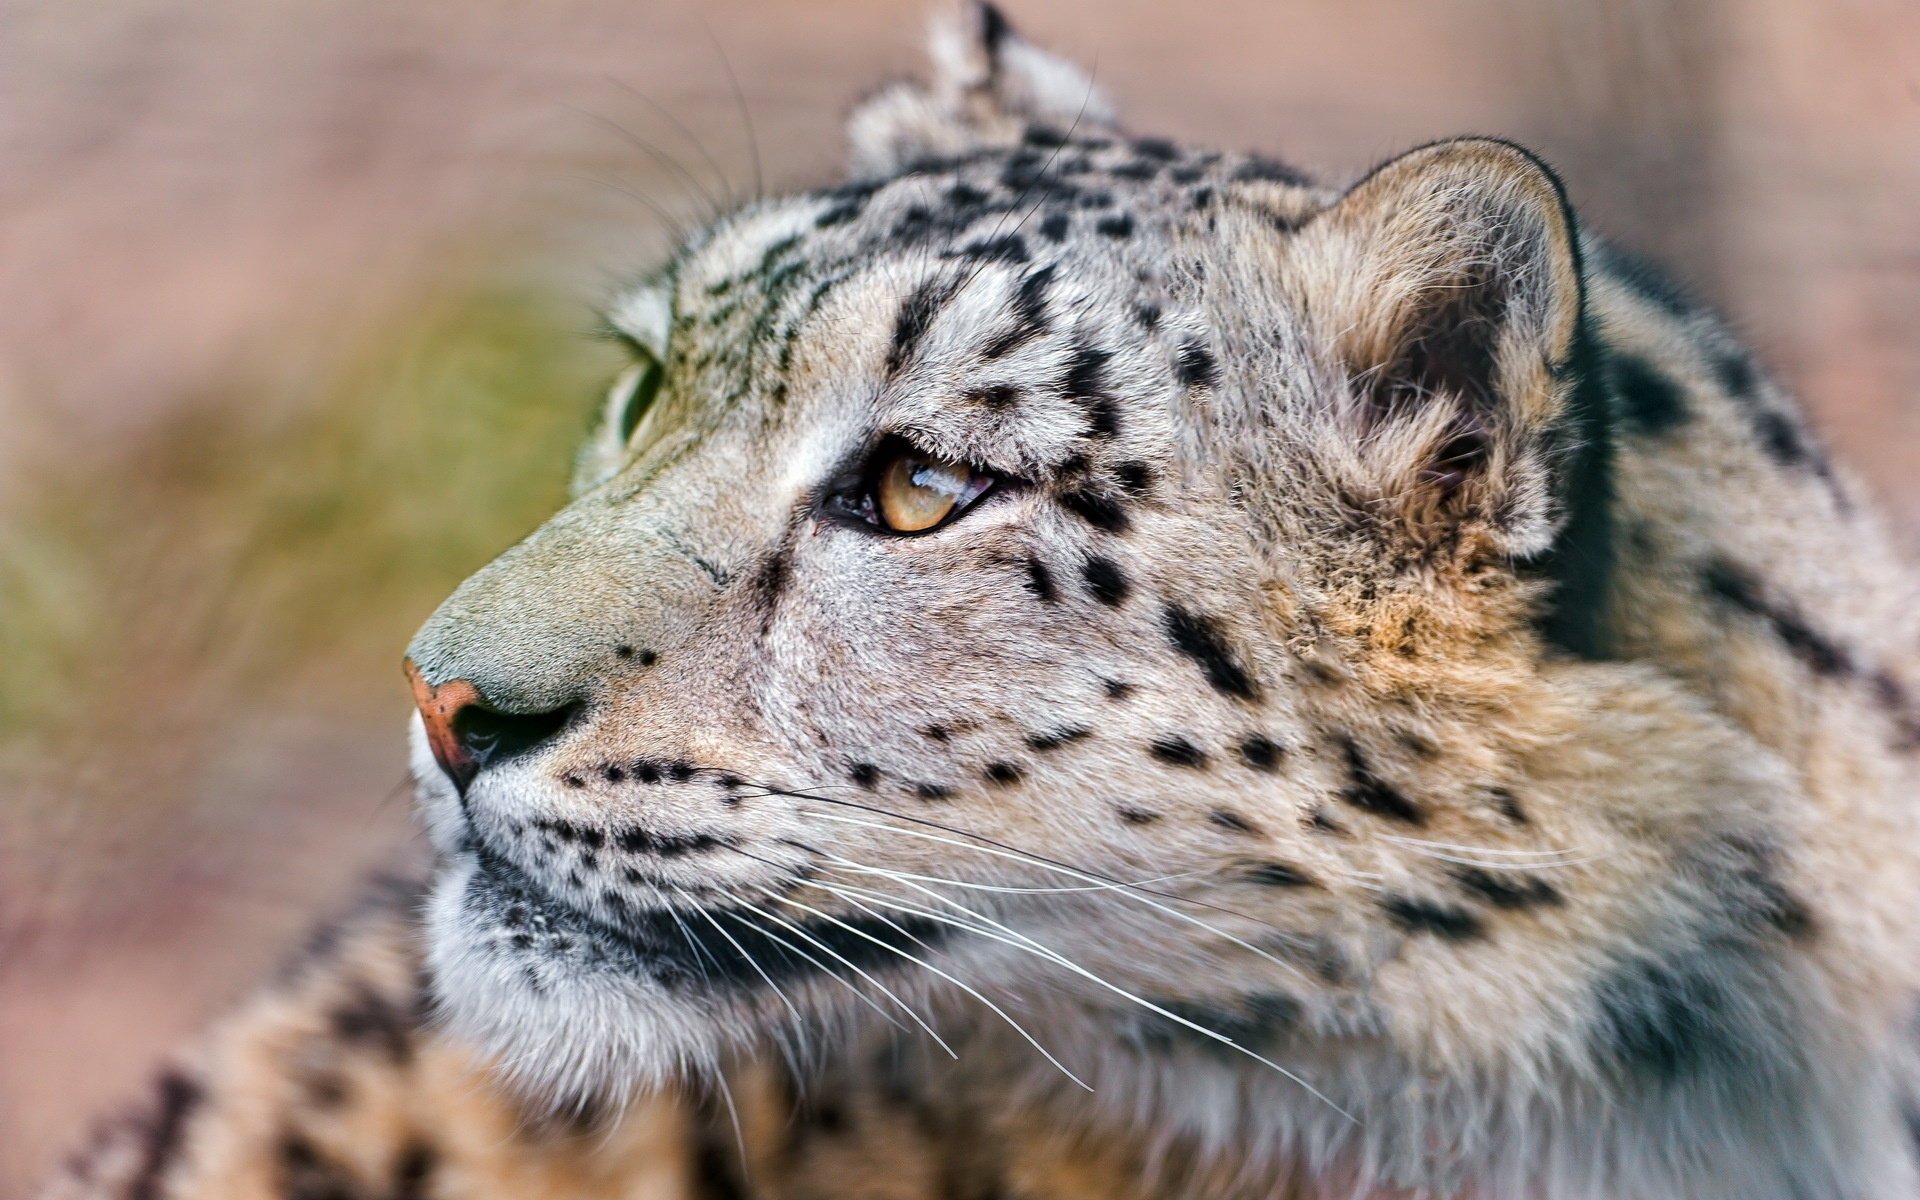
column 283, row 532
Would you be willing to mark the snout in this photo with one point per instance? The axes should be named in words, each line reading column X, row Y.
column 466, row 732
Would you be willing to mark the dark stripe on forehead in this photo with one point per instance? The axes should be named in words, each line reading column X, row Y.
column 915, row 318
column 1029, row 303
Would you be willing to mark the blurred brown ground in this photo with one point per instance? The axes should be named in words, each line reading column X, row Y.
column 294, row 336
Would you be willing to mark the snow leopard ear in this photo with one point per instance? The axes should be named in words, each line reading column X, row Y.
column 1445, row 286
column 989, row 87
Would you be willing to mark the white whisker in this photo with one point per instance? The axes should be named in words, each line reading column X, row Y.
column 1034, row 947
column 887, row 991
column 742, row 917
column 1128, row 894
column 971, row 991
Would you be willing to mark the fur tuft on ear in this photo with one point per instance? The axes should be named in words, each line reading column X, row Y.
column 989, row 87
column 1447, row 282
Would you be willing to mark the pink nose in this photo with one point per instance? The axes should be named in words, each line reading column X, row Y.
column 439, row 706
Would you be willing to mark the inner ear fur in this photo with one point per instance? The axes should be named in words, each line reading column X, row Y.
column 1446, row 285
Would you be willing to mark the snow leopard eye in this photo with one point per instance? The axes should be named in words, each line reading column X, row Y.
column 907, row 490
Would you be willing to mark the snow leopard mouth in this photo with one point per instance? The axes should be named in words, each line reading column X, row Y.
column 710, row 948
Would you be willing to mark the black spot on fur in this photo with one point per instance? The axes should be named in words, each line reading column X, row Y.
column 1053, row 739
column 623, row 651
column 412, row 1169
column 1172, row 748
column 306, row 1174
column 1321, row 821
column 1508, row 806
column 916, row 317
column 996, row 396
column 1734, row 371
column 1232, row 821
column 1055, row 225
column 1511, row 890
column 1029, row 305
column 768, row 583
column 1040, row 580
column 1665, row 1017
column 1425, row 916
column 993, row 32
column 1106, row 581
column 932, row 791
column 1137, row 816
column 635, row 840
column 1784, row 441
column 1156, row 148
column 1268, row 171
column 1117, row 689
column 1086, row 374
column 1195, row 366
column 965, row 195
column 1369, row 793
column 648, row 658
column 863, row 773
column 1096, row 508
column 1199, row 638
column 177, row 1097
column 368, row 1018
column 1003, row 773
column 1119, row 225
column 1740, row 589
column 1260, row 752
column 1008, row 247
column 1043, row 135
column 839, row 214
column 1135, row 477
column 1651, row 402
column 1279, row 875
column 1256, row 1020
column 937, row 733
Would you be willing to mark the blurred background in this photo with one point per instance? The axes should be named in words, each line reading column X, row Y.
column 297, row 331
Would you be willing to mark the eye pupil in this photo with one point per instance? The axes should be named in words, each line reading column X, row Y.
column 915, row 493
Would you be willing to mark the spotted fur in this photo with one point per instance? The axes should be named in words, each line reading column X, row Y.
column 1417, row 715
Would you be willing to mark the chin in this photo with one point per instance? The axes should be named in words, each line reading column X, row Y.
column 575, row 1017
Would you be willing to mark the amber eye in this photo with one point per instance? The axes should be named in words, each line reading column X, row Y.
column 907, row 490
column 914, row 492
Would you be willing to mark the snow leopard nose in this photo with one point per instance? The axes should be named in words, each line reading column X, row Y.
column 465, row 732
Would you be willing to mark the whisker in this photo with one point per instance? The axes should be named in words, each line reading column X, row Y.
column 1506, row 866
column 1055, row 956
column 1029, row 857
column 1491, row 850
column 887, row 991
column 746, row 113
column 742, row 917
column 967, row 988
column 654, row 152
column 799, row 1025
column 1127, row 893
column 1033, row 891
column 1037, row 177
column 699, row 147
